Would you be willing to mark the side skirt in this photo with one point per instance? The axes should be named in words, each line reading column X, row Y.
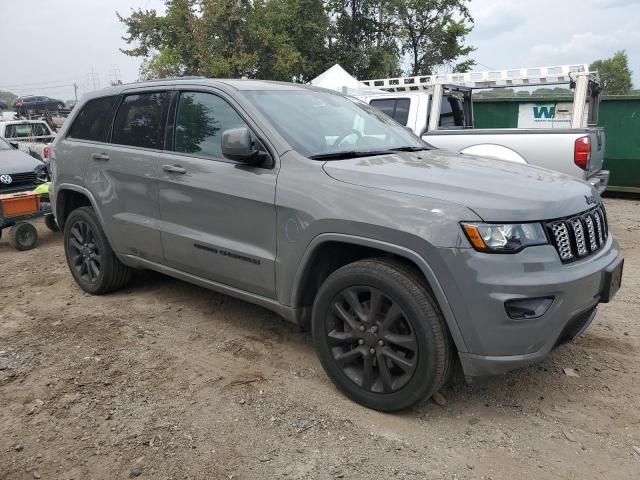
column 293, row 315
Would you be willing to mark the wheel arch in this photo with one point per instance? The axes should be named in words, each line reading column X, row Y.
column 70, row 197
column 342, row 249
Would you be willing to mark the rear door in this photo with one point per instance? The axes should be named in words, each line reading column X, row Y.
column 123, row 175
column 218, row 216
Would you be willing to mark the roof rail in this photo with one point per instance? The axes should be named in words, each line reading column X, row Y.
column 514, row 77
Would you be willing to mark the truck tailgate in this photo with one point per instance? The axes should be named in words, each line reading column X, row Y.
column 597, row 149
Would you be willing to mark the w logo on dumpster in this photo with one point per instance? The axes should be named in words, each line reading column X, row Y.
column 544, row 112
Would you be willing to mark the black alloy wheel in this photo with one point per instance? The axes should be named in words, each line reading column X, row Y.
column 372, row 339
column 379, row 334
column 84, row 253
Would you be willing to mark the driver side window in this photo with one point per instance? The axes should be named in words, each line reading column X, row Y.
column 200, row 121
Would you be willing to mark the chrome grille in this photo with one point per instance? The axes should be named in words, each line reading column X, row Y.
column 580, row 235
column 578, row 232
column 591, row 229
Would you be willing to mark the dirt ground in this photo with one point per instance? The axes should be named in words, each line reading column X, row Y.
column 166, row 380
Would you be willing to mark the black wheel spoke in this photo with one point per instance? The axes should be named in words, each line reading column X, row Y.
column 368, row 375
column 352, row 299
column 75, row 244
column 341, row 337
column 392, row 316
column 347, row 358
column 402, row 362
column 385, row 374
column 345, row 316
column 77, row 235
column 405, row 341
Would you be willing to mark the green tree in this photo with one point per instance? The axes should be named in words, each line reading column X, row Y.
column 364, row 37
column 432, row 33
column 614, row 74
column 7, row 97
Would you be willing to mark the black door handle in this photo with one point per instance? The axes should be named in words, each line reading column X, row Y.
column 100, row 156
column 174, row 169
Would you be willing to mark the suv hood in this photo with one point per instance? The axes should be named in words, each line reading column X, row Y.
column 498, row 191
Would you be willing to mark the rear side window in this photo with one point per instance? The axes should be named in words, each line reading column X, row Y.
column 94, row 120
column 140, row 120
column 396, row 108
column 200, row 122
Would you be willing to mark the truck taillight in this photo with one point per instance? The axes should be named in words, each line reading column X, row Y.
column 46, row 153
column 582, row 152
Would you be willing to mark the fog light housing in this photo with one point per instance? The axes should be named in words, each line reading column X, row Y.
column 528, row 308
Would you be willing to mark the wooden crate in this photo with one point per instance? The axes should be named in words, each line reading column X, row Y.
column 17, row 204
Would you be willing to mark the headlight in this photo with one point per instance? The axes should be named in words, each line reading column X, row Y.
column 505, row 238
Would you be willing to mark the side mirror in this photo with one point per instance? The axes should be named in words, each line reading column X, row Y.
column 238, row 145
column 14, row 145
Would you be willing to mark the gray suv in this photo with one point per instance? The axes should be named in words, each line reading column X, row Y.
column 402, row 259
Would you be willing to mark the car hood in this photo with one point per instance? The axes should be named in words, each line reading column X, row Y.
column 498, row 191
column 15, row 161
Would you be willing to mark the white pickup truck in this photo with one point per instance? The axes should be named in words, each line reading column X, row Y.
column 440, row 110
column 30, row 136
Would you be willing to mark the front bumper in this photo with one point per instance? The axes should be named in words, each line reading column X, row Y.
column 478, row 285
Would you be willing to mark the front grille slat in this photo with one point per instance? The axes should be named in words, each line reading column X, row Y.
column 580, row 235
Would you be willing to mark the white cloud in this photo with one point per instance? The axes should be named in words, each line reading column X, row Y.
column 584, row 47
column 496, row 17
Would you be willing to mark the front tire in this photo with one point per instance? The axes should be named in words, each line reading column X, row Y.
column 380, row 335
column 91, row 260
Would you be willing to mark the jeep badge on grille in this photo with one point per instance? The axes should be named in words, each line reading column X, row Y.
column 6, row 179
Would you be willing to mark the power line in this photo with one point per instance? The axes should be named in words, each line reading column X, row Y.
column 57, row 80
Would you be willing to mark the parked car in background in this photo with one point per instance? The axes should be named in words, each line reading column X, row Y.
column 31, row 136
column 399, row 256
column 19, row 172
column 3, row 105
column 36, row 104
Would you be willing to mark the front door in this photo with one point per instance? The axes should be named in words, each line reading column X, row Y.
column 218, row 216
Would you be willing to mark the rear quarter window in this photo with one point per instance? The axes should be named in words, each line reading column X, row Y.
column 94, row 120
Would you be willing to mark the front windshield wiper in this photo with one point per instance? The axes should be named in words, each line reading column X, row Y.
column 408, row 149
column 347, row 154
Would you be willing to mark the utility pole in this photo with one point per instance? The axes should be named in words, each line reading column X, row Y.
column 75, row 90
column 95, row 79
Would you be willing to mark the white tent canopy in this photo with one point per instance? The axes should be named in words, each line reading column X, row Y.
column 337, row 78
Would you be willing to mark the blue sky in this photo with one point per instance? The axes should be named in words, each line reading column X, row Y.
column 58, row 42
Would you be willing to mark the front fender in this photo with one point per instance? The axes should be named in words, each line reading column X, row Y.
column 408, row 254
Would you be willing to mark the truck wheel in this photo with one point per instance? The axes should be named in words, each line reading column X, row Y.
column 92, row 262
column 50, row 222
column 23, row 236
column 380, row 335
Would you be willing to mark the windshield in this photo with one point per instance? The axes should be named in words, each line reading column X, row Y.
column 319, row 124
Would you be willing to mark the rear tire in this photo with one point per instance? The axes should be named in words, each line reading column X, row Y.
column 23, row 236
column 50, row 222
column 91, row 260
column 380, row 335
